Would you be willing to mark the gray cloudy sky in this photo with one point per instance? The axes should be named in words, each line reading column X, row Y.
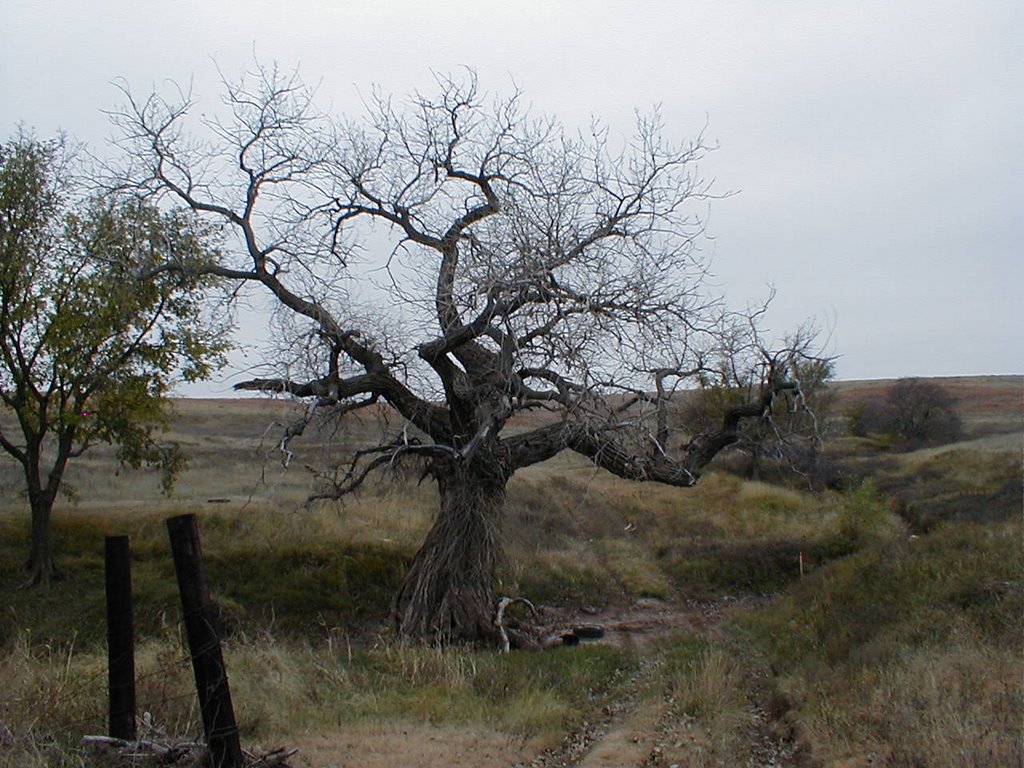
column 877, row 146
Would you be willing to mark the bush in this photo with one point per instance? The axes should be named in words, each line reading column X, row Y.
column 913, row 411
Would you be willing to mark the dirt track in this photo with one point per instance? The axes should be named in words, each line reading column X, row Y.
column 647, row 731
column 632, row 723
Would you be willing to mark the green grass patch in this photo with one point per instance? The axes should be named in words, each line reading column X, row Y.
column 913, row 591
column 632, row 566
column 300, row 589
column 821, row 529
column 261, row 578
column 764, row 566
column 456, row 686
column 573, row 575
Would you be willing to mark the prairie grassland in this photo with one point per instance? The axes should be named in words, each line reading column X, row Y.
column 911, row 651
column 901, row 643
column 285, row 691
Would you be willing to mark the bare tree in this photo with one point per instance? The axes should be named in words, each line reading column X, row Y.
column 533, row 271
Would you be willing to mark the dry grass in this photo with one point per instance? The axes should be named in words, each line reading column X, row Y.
column 49, row 692
column 949, row 706
column 284, row 689
column 905, row 649
column 710, row 693
column 909, row 653
column 952, row 706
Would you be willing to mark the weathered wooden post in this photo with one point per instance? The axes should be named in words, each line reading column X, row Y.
column 120, row 638
column 204, row 644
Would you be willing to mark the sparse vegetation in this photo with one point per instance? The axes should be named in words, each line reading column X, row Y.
column 902, row 642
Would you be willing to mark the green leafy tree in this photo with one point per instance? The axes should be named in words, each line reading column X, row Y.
column 89, row 346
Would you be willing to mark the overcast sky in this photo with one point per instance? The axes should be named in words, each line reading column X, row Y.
column 876, row 146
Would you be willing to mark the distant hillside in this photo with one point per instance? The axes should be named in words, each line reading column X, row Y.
column 988, row 405
column 233, row 443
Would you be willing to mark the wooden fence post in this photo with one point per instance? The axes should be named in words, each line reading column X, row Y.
column 204, row 644
column 120, row 639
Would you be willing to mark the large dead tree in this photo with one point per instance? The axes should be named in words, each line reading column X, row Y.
column 529, row 270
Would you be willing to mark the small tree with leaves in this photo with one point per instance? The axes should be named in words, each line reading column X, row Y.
column 528, row 271
column 88, row 351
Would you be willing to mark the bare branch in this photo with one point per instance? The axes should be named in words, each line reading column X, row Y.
column 526, row 269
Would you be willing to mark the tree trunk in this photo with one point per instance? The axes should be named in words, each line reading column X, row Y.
column 40, row 563
column 448, row 593
column 42, row 492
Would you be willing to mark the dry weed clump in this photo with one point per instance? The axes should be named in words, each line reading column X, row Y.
column 165, row 687
column 46, row 694
column 711, row 690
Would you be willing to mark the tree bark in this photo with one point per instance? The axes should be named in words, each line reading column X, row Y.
column 41, row 495
column 448, row 593
column 40, row 564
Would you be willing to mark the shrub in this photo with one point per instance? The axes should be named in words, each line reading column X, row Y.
column 913, row 411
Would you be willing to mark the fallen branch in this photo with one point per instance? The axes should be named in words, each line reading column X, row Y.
column 172, row 753
column 166, row 753
column 273, row 759
column 499, row 620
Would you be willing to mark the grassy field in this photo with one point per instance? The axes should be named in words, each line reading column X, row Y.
column 749, row 624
